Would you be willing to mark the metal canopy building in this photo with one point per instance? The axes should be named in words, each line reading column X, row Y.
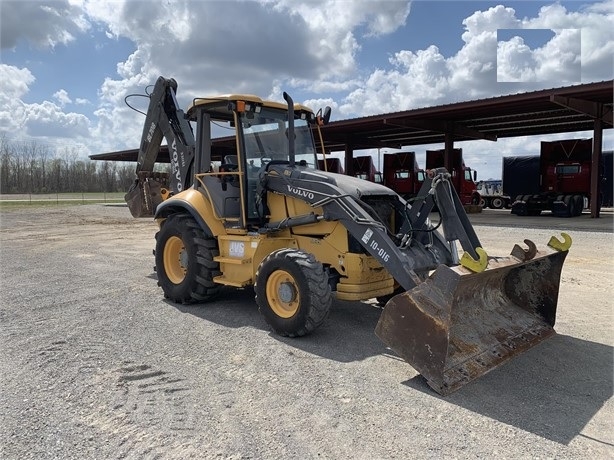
column 567, row 109
column 560, row 110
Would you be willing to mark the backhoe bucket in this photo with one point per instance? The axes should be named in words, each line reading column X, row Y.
column 146, row 193
column 459, row 325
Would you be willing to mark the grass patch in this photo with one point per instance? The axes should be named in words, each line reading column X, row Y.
column 18, row 201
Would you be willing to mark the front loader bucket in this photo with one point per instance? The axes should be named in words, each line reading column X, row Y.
column 459, row 325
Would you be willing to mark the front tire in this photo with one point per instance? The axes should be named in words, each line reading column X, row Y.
column 292, row 292
column 184, row 261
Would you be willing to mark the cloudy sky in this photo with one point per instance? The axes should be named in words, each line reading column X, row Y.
column 67, row 65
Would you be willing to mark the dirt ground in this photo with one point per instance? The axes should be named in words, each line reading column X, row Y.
column 96, row 364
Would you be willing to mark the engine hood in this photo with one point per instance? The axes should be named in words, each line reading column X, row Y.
column 349, row 184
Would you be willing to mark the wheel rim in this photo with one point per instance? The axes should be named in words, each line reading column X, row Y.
column 282, row 294
column 175, row 260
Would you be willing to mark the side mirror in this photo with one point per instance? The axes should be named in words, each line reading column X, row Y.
column 323, row 118
column 327, row 112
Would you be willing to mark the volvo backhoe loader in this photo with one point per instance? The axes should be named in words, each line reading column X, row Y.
column 268, row 218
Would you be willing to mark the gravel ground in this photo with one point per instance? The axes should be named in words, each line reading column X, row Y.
column 96, row 365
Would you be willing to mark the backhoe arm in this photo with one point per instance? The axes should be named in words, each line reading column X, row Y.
column 164, row 120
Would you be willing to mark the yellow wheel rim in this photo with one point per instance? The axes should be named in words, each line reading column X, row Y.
column 175, row 260
column 282, row 294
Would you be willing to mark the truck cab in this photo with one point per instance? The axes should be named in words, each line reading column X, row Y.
column 463, row 178
column 402, row 174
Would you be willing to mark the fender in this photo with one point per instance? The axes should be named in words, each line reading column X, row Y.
column 197, row 206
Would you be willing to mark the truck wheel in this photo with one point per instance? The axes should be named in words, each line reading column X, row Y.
column 567, row 199
column 292, row 292
column 184, row 261
column 496, row 203
column 579, row 202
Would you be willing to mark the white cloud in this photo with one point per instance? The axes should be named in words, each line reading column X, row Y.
column 62, row 97
column 44, row 120
column 267, row 46
column 15, row 81
column 15, row 85
column 596, row 25
column 213, row 50
column 426, row 77
column 43, row 24
column 560, row 59
column 515, row 61
column 48, row 120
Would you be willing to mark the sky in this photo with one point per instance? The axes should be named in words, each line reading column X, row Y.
column 66, row 66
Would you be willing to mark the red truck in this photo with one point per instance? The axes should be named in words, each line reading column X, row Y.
column 564, row 180
column 365, row 169
column 463, row 177
column 332, row 165
column 402, row 174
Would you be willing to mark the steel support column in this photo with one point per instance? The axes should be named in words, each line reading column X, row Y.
column 448, row 151
column 349, row 157
column 595, row 168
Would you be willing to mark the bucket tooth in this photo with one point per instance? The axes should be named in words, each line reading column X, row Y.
column 524, row 254
column 560, row 245
column 475, row 265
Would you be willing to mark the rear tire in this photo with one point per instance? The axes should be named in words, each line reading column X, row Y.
column 184, row 261
column 497, row 203
column 292, row 292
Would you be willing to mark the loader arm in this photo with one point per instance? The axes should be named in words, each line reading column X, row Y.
column 437, row 188
column 407, row 257
column 164, row 120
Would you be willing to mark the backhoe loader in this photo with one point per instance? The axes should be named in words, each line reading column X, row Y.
column 267, row 217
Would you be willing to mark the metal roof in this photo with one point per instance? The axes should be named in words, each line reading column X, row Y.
column 566, row 109
column 559, row 110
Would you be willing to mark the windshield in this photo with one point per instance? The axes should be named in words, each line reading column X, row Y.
column 567, row 169
column 266, row 138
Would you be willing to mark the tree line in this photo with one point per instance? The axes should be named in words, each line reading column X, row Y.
column 29, row 167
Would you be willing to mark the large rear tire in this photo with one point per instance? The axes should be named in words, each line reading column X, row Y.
column 292, row 292
column 184, row 261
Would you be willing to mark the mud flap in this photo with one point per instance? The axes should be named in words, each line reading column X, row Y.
column 146, row 193
column 459, row 325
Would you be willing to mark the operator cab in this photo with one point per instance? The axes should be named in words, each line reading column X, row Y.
column 261, row 138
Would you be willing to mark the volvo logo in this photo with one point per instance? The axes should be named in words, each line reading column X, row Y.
column 301, row 192
column 175, row 165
